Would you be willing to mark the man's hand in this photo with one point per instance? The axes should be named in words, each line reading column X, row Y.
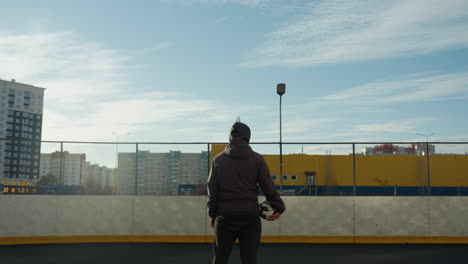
column 212, row 222
column 273, row 217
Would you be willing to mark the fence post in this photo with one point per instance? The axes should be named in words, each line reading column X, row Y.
column 61, row 179
column 428, row 170
column 136, row 170
column 354, row 169
column 209, row 158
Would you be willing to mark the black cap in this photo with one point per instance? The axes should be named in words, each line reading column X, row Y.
column 240, row 130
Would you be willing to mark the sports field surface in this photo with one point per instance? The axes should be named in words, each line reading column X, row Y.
column 168, row 253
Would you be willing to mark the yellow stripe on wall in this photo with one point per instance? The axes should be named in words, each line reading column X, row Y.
column 307, row 239
column 208, row 239
column 412, row 239
column 104, row 239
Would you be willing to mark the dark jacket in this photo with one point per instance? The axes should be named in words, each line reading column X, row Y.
column 233, row 179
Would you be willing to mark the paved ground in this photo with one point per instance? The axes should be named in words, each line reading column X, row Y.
column 166, row 253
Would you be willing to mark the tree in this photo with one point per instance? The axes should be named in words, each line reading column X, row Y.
column 49, row 179
column 108, row 190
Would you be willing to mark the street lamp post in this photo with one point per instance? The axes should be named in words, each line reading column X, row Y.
column 117, row 157
column 426, row 136
column 280, row 90
column 427, row 161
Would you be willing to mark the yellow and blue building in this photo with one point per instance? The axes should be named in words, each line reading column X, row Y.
column 370, row 174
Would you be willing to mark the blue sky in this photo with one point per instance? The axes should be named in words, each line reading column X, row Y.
column 183, row 70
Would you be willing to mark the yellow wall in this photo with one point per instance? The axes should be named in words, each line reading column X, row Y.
column 216, row 149
column 375, row 170
column 334, row 169
column 380, row 170
column 449, row 170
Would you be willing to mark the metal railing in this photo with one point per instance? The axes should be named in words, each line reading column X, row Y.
column 321, row 168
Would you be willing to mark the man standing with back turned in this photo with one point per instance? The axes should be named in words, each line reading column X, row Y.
column 233, row 197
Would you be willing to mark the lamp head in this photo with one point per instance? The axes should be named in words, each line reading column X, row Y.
column 281, row 89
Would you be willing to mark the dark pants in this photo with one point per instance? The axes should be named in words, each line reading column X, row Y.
column 228, row 228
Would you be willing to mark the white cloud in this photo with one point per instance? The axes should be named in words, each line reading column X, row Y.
column 294, row 128
column 408, row 125
column 70, row 68
column 462, row 138
column 327, row 149
column 342, row 31
column 358, row 132
column 158, row 47
column 252, row 3
column 249, row 3
column 89, row 94
column 135, row 114
column 437, row 87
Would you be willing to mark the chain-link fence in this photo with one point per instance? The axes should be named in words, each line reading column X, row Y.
column 165, row 168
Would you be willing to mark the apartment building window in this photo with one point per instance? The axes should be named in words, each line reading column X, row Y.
column 293, row 177
column 285, row 177
column 274, row 177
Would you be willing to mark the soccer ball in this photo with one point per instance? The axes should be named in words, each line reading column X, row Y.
column 265, row 209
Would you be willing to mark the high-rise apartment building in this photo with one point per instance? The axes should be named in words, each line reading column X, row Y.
column 21, row 107
column 69, row 168
column 98, row 177
column 160, row 173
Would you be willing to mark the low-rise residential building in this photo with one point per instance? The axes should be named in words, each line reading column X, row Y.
column 390, row 149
